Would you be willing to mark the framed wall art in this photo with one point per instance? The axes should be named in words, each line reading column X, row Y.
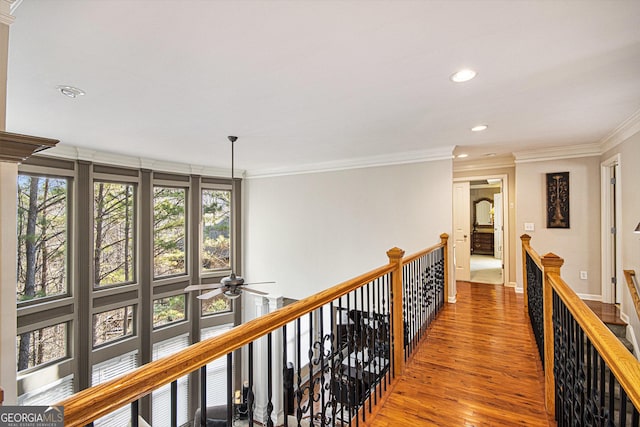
column 558, row 200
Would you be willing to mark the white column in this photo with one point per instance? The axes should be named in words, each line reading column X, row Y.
column 8, row 267
column 8, row 239
column 261, row 366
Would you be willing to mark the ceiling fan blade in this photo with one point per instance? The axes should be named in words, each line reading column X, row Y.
column 254, row 291
column 203, row 287
column 257, row 283
column 210, row 294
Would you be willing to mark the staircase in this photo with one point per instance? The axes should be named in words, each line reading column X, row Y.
column 610, row 316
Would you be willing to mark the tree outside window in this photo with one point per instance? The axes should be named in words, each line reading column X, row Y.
column 169, row 231
column 114, row 231
column 216, row 220
column 42, row 237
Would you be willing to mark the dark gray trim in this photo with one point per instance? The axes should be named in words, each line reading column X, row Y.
column 145, row 278
column 84, row 283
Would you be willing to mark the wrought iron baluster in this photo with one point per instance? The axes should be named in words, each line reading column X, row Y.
column 174, row 403
column 203, row 396
column 230, row 388
column 269, row 379
column 134, row 413
column 285, row 378
column 250, row 395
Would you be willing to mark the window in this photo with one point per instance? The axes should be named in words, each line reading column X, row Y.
column 52, row 392
column 114, row 231
column 42, row 237
column 168, row 310
column 216, row 370
column 113, row 325
column 215, row 305
column 161, row 398
column 108, row 370
column 216, row 219
column 41, row 346
column 169, row 231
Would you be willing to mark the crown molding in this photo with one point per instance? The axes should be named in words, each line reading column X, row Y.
column 624, row 131
column 71, row 152
column 358, row 163
column 6, row 8
column 483, row 164
column 16, row 148
column 558, row 153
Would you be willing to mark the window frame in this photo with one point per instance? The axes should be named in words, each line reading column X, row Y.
column 165, row 183
column 125, row 180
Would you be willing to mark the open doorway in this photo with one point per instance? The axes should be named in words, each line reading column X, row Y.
column 487, row 229
column 481, row 244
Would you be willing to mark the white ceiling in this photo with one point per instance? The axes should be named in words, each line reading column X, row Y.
column 307, row 82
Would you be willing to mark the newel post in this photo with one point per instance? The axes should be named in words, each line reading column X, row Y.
column 551, row 263
column 526, row 243
column 395, row 257
column 444, row 240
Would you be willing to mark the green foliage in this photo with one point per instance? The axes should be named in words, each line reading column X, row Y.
column 167, row 310
column 216, row 221
column 218, row 304
column 44, row 272
column 114, row 231
column 169, row 231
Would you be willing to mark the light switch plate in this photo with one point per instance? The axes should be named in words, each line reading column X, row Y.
column 528, row 226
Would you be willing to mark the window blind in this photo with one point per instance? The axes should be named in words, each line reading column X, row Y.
column 216, row 371
column 161, row 398
column 49, row 394
column 108, row 370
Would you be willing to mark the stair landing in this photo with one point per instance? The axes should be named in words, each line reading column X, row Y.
column 608, row 313
column 610, row 316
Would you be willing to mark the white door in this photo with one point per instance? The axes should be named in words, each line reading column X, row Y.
column 461, row 230
column 497, row 225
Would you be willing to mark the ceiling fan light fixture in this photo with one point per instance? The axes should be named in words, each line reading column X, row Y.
column 463, row 75
column 232, row 294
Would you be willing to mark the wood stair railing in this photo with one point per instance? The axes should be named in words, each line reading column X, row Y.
column 632, row 283
column 90, row 404
column 566, row 316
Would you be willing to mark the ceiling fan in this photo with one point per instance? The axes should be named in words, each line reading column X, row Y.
column 232, row 285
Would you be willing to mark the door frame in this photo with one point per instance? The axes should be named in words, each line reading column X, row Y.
column 506, row 248
column 606, row 221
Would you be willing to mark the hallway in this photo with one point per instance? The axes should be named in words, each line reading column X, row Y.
column 478, row 366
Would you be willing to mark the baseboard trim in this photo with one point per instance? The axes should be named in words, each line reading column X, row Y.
column 510, row 284
column 590, row 297
column 452, row 300
column 519, row 290
column 631, row 336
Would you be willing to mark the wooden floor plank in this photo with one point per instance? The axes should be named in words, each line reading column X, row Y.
column 478, row 366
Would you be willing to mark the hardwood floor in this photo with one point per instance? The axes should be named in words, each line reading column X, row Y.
column 477, row 367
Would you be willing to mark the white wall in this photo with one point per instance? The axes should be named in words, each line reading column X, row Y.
column 578, row 245
column 629, row 180
column 311, row 231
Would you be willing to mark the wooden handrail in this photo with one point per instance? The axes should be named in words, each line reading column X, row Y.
column 621, row 362
column 95, row 402
column 630, row 276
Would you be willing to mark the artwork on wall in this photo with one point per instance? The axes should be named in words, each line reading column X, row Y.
column 558, row 200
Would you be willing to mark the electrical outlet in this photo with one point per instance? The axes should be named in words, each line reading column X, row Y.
column 528, row 226
column 583, row 275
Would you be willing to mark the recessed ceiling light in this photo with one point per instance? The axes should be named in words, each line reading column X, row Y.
column 70, row 91
column 462, row 156
column 479, row 128
column 463, row 75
